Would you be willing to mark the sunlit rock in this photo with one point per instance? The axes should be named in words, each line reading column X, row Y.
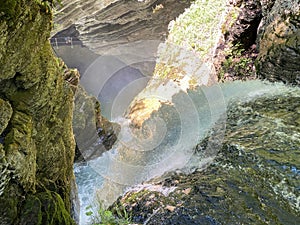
column 279, row 44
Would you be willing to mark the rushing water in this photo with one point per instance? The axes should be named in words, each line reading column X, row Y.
column 166, row 141
column 179, row 120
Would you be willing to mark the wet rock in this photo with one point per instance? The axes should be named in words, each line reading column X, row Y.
column 44, row 207
column 254, row 178
column 278, row 42
column 94, row 134
column 5, row 114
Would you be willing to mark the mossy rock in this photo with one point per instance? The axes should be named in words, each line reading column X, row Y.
column 278, row 41
column 5, row 114
column 8, row 8
column 37, row 146
column 46, row 208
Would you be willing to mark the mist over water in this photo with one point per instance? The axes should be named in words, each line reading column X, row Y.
column 181, row 117
column 166, row 141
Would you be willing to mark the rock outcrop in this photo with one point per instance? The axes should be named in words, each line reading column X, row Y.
column 264, row 33
column 236, row 52
column 103, row 25
column 279, row 42
column 36, row 138
column 94, row 134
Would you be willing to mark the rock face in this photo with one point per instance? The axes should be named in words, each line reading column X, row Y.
column 279, row 42
column 236, row 51
column 102, row 25
column 36, row 139
column 264, row 33
column 254, row 179
column 94, row 134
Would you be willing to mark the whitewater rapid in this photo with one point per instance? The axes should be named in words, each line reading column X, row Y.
column 166, row 141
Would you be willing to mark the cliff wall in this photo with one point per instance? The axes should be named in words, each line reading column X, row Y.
column 36, row 138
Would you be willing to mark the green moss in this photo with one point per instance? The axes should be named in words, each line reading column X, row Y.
column 31, row 212
column 5, row 114
column 39, row 144
column 8, row 7
column 24, row 41
column 237, row 63
column 9, row 201
column 21, row 151
column 46, row 208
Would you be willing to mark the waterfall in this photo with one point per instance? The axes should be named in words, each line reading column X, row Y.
column 181, row 104
column 166, row 140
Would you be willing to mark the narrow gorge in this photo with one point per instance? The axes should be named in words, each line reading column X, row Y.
column 174, row 112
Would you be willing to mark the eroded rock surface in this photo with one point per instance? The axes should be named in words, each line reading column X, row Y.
column 279, row 42
column 37, row 144
column 94, row 134
column 102, row 25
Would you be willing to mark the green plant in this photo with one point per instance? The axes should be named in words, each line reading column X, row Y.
column 51, row 3
column 198, row 27
column 48, row 4
column 237, row 62
column 9, row 8
column 104, row 216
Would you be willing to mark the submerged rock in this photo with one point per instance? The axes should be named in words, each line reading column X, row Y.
column 253, row 180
